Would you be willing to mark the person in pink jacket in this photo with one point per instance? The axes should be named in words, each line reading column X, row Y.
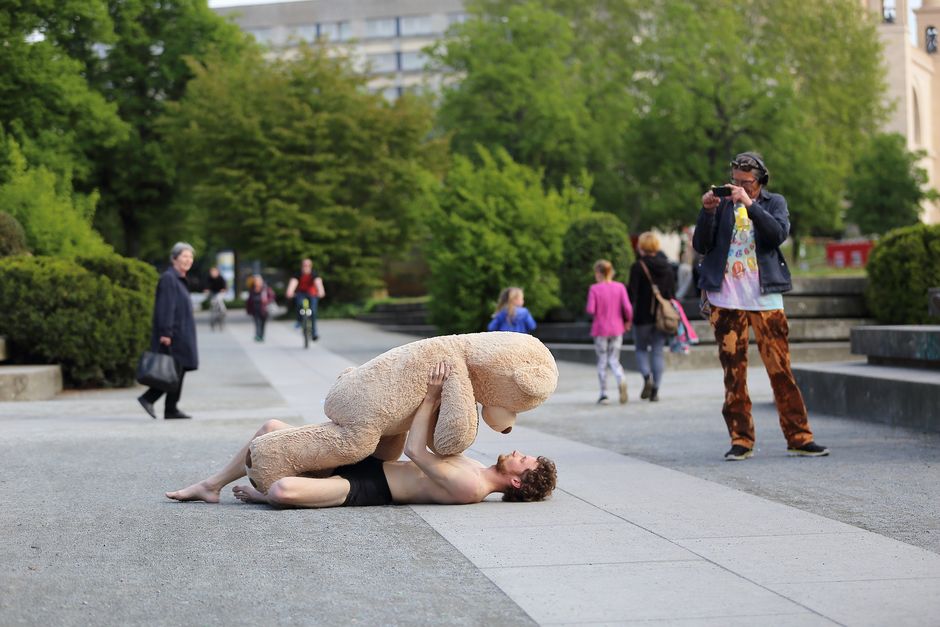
column 608, row 303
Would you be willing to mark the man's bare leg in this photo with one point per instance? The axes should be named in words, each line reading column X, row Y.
column 209, row 488
column 249, row 494
column 298, row 492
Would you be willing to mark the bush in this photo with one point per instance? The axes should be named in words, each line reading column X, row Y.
column 589, row 238
column 55, row 311
column 131, row 274
column 496, row 226
column 902, row 266
column 12, row 236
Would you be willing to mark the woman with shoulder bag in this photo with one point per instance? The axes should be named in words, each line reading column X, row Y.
column 651, row 267
column 174, row 329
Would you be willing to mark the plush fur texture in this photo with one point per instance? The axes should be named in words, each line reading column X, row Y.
column 371, row 407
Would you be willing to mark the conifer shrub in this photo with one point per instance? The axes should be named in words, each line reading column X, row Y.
column 12, row 236
column 591, row 237
column 902, row 266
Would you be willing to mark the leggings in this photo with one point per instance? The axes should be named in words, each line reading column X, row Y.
column 259, row 325
column 608, row 356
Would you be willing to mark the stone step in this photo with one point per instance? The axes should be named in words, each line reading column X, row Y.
column 701, row 357
column 910, row 345
column 3, row 349
column 893, row 395
column 801, row 330
column 829, row 286
column 29, row 383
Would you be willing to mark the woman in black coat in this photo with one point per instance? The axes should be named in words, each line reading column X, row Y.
column 174, row 328
column 649, row 342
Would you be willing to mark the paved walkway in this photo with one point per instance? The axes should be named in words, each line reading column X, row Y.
column 91, row 540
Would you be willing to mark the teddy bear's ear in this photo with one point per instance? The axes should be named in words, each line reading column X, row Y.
column 537, row 381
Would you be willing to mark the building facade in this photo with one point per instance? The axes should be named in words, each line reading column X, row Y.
column 385, row 38
column 913, row 74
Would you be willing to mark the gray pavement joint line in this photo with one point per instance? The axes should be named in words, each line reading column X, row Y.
column 597, row 563
column 672, row 620
column 709, row 561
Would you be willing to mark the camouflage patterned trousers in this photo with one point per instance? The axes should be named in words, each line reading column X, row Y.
column 771, row 331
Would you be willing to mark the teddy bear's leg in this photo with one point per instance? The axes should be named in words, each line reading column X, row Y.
column 307, row 449
column 457, row 420
column 390, row 447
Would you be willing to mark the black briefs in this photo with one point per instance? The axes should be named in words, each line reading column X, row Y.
column 367, row 483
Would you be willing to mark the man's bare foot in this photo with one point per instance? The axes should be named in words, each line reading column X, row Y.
column 249, row 494
column 201, row 491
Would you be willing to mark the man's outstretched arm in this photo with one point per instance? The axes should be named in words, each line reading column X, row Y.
column 436, row 468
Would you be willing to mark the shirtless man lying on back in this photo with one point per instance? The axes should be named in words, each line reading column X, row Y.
column 427, row 478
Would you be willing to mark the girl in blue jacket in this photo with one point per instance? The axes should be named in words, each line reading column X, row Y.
column 510, row 315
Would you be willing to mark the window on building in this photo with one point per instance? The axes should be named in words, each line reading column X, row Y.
column 262, row 35
column 306, row 32
column 413, row 61
column 335, row 31
column 889, row 11
column 382, row 27
column 392, row 93
column 383, row 63
column 456, row 18
column 413, row 25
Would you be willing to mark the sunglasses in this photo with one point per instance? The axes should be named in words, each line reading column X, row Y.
column 745, row 166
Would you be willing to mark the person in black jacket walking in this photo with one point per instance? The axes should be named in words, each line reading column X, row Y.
column 174, row 328
column 648, row 340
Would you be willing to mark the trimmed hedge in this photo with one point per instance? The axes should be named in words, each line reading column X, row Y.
column 55, row 311
column 595, row 236
column 902, row 266
column 131, row 274
column 12, row 236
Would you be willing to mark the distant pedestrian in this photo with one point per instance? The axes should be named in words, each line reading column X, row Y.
column 260, row 298
column 308, row 285
column 607, row 301
column 744, row 276
column 510, row 314
column 652, row 267
column 174, row 328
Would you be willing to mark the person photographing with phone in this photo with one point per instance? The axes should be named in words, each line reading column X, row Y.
column 743, row 276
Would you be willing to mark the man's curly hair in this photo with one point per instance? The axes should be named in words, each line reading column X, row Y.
column 536, row 485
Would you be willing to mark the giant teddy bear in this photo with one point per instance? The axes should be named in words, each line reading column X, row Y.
column 371, row 407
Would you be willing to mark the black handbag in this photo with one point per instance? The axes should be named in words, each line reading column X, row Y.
column 158, row 370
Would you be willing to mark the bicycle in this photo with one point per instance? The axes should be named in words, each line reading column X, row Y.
column 306, row 322
column 217, row 312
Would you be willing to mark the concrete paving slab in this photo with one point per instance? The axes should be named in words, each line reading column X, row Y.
column 875, row 603
column 583, row 594
column 815, row 558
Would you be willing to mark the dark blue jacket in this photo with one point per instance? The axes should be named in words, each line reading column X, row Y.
column 173, row 318
column 712, row 238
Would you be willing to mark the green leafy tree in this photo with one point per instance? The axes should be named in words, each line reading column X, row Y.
column 496, row 226
column 146, row 67
column 294, row 157
column 46, row 104
column 519, row 89
column 803, row 84
column 591, row 237
column 886, row 186
column 55, row 220
column 12, row 236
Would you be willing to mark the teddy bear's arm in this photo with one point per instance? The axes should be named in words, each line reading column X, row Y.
column 456, row 427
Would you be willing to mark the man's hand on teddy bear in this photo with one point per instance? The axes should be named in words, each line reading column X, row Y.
column 436, row 377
